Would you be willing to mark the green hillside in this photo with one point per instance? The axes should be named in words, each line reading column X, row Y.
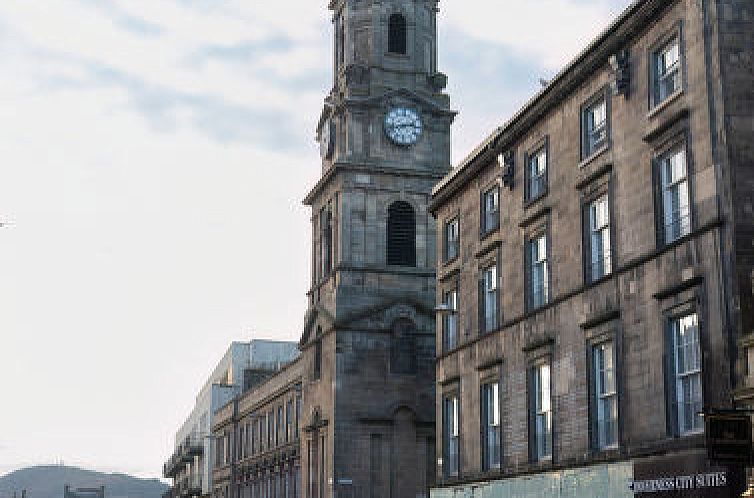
column 48, row 482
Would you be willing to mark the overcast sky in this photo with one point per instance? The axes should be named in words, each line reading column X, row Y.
column 153, row 158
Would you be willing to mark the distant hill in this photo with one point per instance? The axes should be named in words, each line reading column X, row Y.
column 48, row 482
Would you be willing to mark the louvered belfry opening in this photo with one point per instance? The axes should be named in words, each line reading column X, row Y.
column 401, row 235
column 396, row 34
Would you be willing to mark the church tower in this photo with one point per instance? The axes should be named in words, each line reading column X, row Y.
column 369, row 333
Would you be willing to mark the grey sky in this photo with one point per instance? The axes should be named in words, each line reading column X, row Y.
column 154, row 158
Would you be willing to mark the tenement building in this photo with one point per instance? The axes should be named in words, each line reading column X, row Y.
column 242, row 367
column 257, row 440
column 596, row 265
column 361, row 423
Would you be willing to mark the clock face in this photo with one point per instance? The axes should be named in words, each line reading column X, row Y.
column 403, row 126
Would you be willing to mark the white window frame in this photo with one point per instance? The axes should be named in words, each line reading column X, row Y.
column 542, row 406
column 666, row 66
column 537, row 173
column 539, row 295
column 600, row 252
column 490, row 298
column 452, row 238
column 675, row 194
column 491, row 210
column 452, row 435
column 491, row 427
column 606, row 395
column 595, row 132
column 450, row 319
column 687, row 374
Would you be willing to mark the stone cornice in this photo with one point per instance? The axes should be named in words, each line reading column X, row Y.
column 370, row 168
column 633, row 20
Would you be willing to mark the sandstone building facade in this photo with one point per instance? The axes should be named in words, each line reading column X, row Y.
column 363, row 388
column 257, row 440
column 243, row 366
column 595, row 267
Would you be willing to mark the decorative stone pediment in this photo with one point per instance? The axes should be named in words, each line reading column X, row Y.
column 316, row 316
column 383, row 316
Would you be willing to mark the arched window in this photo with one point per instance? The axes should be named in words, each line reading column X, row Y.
column 401, row 234
column 396, row 38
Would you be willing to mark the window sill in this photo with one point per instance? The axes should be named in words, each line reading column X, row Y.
column 664, row 104
column 589, row 283
column 542, row 463
column 533, row 309
column 449, row 273
column 483, row 234
column 698, row 432
column 606, row 454
column 492, row 472
column 488, row 248
column 594, row 155
column 607, row 449
column 534, row 200
column 450, row 261
column 530, row 219
column 665, row 245
column 666, row 125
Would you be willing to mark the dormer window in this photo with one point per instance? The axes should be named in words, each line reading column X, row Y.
column 397, row 34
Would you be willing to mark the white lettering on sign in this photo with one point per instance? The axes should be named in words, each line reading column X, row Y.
column 694, row 481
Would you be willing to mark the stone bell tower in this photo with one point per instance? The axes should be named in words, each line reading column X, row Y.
column 368, row 338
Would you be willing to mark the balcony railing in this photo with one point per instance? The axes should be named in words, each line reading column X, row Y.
column 188, row 486
column 185, row 452
column 192, row 446
column 173, row 465
column 195, row 485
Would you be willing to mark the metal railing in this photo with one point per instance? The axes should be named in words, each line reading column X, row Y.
column 188, row 486
column 193, row 446
column 184, row 453
column 173, row 465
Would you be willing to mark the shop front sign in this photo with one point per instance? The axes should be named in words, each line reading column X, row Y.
column 680, row 483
